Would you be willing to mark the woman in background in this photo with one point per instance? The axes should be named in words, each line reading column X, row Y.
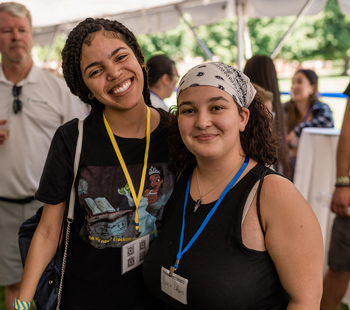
column 162, row 79
column 304, row 110
column 261, row 70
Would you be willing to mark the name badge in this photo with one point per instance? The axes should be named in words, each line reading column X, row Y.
column 133, row 253
column 175, row 286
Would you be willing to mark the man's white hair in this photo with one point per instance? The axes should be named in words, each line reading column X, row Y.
column 16, row 9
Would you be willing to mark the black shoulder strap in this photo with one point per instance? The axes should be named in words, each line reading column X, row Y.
column 258, row 200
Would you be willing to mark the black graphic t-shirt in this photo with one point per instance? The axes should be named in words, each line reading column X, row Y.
column 104, row 215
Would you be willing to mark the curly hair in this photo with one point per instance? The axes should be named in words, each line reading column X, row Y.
column 84, row 33
column 259, row 140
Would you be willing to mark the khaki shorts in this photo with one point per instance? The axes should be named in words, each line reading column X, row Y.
column 12, row 215
column 339, row 250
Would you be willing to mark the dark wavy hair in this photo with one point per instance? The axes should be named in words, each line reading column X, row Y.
column 84, row 33
column 259, row 140
column 157, row 66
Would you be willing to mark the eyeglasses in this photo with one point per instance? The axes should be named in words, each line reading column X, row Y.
column 17, row 104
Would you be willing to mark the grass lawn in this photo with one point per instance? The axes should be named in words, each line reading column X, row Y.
column 2, row 298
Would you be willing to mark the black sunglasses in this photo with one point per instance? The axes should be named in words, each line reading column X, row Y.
column 17, row 104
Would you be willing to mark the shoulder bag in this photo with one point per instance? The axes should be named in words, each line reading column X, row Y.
column 49, row 290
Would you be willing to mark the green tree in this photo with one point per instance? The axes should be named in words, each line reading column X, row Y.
column 176, row 43
column 44, row 51
column 220, row 39
column 324, row 36
column 300, row 45
column 334, row 28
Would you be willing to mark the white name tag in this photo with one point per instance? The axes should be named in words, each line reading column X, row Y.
column 174, row 286
column 133, row 253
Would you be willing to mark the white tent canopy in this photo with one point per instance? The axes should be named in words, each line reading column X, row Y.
column 51, row 17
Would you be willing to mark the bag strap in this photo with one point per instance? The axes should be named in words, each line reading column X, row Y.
column 70, row 215
column 69, row 212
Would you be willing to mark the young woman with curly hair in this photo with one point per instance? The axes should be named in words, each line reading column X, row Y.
column 103, row 65
column 223, row 245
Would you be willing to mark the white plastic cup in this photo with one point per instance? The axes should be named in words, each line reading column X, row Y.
column 324, row 199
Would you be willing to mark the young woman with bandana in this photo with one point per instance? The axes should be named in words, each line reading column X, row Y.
column 221, row 246
column 123, row 138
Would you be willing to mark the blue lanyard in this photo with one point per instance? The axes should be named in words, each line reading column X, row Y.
column 207, row 219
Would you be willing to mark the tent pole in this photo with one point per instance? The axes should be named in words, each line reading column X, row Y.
column 199, row 40
column 52, row 46
column 247, row 42
column 240, row 29
column 292, row 27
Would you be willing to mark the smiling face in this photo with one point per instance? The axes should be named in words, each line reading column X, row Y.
column 209, row 122
column 112, row 73
column 155, row 181
column 302, row 89
column 16, row 39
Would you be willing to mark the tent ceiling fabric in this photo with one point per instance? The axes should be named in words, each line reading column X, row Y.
column 344, row 6
column 54, row 12
column 149, row 16
column 272, row 8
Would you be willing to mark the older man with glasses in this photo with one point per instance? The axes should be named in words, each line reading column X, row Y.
column 34, row 103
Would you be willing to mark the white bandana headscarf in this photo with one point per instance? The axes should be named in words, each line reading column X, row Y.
column 222, row 76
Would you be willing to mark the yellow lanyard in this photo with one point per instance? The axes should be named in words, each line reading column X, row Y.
column 125, row 169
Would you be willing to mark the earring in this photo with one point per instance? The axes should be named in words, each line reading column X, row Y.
column 91, row 96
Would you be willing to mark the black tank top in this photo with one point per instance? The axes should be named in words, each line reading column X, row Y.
column 222, row 273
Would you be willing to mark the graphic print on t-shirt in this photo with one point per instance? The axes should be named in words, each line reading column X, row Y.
column 106, row 200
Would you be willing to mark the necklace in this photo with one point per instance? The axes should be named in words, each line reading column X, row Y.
column 199, row 201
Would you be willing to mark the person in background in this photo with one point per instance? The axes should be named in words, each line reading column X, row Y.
column 222, row 247
column 162, row 77
column 124, row 138
column 261, row 70
column 34, row 103
column 304, row 110
column 338, row 275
